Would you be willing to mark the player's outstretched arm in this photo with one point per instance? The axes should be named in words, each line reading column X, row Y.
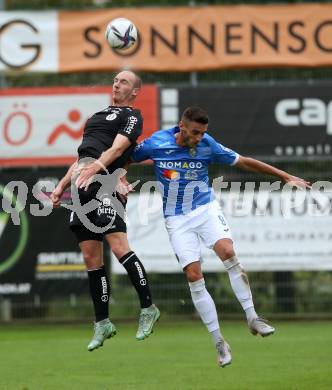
column 253, row 165
column 63, row 184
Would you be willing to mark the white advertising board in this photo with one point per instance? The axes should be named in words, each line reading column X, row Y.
column 277, row 240
column 42, row 126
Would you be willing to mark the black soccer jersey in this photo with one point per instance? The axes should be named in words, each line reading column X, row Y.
column 102, row 128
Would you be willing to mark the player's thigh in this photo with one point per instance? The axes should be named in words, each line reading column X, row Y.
column 184, row 240
column 214, row 227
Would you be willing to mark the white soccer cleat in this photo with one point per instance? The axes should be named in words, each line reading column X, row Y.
column 224, row 357
column 102, row 330
column 148, row 317
column 259, row 326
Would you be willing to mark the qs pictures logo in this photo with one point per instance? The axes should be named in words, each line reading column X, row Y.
column 13, row 238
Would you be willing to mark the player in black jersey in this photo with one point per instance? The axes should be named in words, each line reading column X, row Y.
column 109, row 137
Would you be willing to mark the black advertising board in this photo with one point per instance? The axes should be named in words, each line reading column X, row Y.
column 39, row 254
column 284, row 119
column 16, row 268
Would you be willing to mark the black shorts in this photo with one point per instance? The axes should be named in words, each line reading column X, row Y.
column 101, row 217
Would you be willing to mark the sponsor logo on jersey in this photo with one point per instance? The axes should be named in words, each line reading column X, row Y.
column 111, row 117
column 171, row 174
column 191, row 175
column 181, row 164
column 192, row 152
column 132, row 120
column 138, row 147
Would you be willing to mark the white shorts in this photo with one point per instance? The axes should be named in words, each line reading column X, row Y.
column 206, row 223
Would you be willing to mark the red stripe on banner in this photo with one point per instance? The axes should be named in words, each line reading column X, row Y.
column 40, row 161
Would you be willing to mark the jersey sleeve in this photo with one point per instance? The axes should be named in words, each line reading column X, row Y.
column 132, row 125
column 143, row 151
column 221, row 154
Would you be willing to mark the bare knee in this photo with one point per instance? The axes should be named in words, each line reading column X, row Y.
column 193, row 273
column 224, row 249
column 92, row 258
column 228, row 253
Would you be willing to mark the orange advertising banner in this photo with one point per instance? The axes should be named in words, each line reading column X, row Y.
column 200, row 38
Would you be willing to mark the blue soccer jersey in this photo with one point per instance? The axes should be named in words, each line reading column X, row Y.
column 183, row 171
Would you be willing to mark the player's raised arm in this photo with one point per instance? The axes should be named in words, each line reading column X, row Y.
column 253, row 165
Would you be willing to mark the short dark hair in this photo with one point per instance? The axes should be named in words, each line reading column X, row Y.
column 195, row 114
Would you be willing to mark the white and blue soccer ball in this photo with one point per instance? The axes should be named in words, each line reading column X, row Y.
column 121, row 33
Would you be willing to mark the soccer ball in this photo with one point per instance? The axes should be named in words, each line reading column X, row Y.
column 121, row 33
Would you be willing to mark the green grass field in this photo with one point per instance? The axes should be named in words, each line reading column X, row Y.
column 177, row 356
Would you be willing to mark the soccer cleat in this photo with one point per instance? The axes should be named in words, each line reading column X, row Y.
column 259, row 326
column 102, row 330
column 224, row 357
column 147, row 318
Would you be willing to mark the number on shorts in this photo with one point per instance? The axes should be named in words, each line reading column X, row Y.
column 222, row 220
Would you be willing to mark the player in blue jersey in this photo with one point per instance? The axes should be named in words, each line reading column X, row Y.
column 181, row 156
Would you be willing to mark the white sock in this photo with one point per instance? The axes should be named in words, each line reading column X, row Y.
column 216, row 336
column 240, row 285
column 205, row 306
column 251, row 313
